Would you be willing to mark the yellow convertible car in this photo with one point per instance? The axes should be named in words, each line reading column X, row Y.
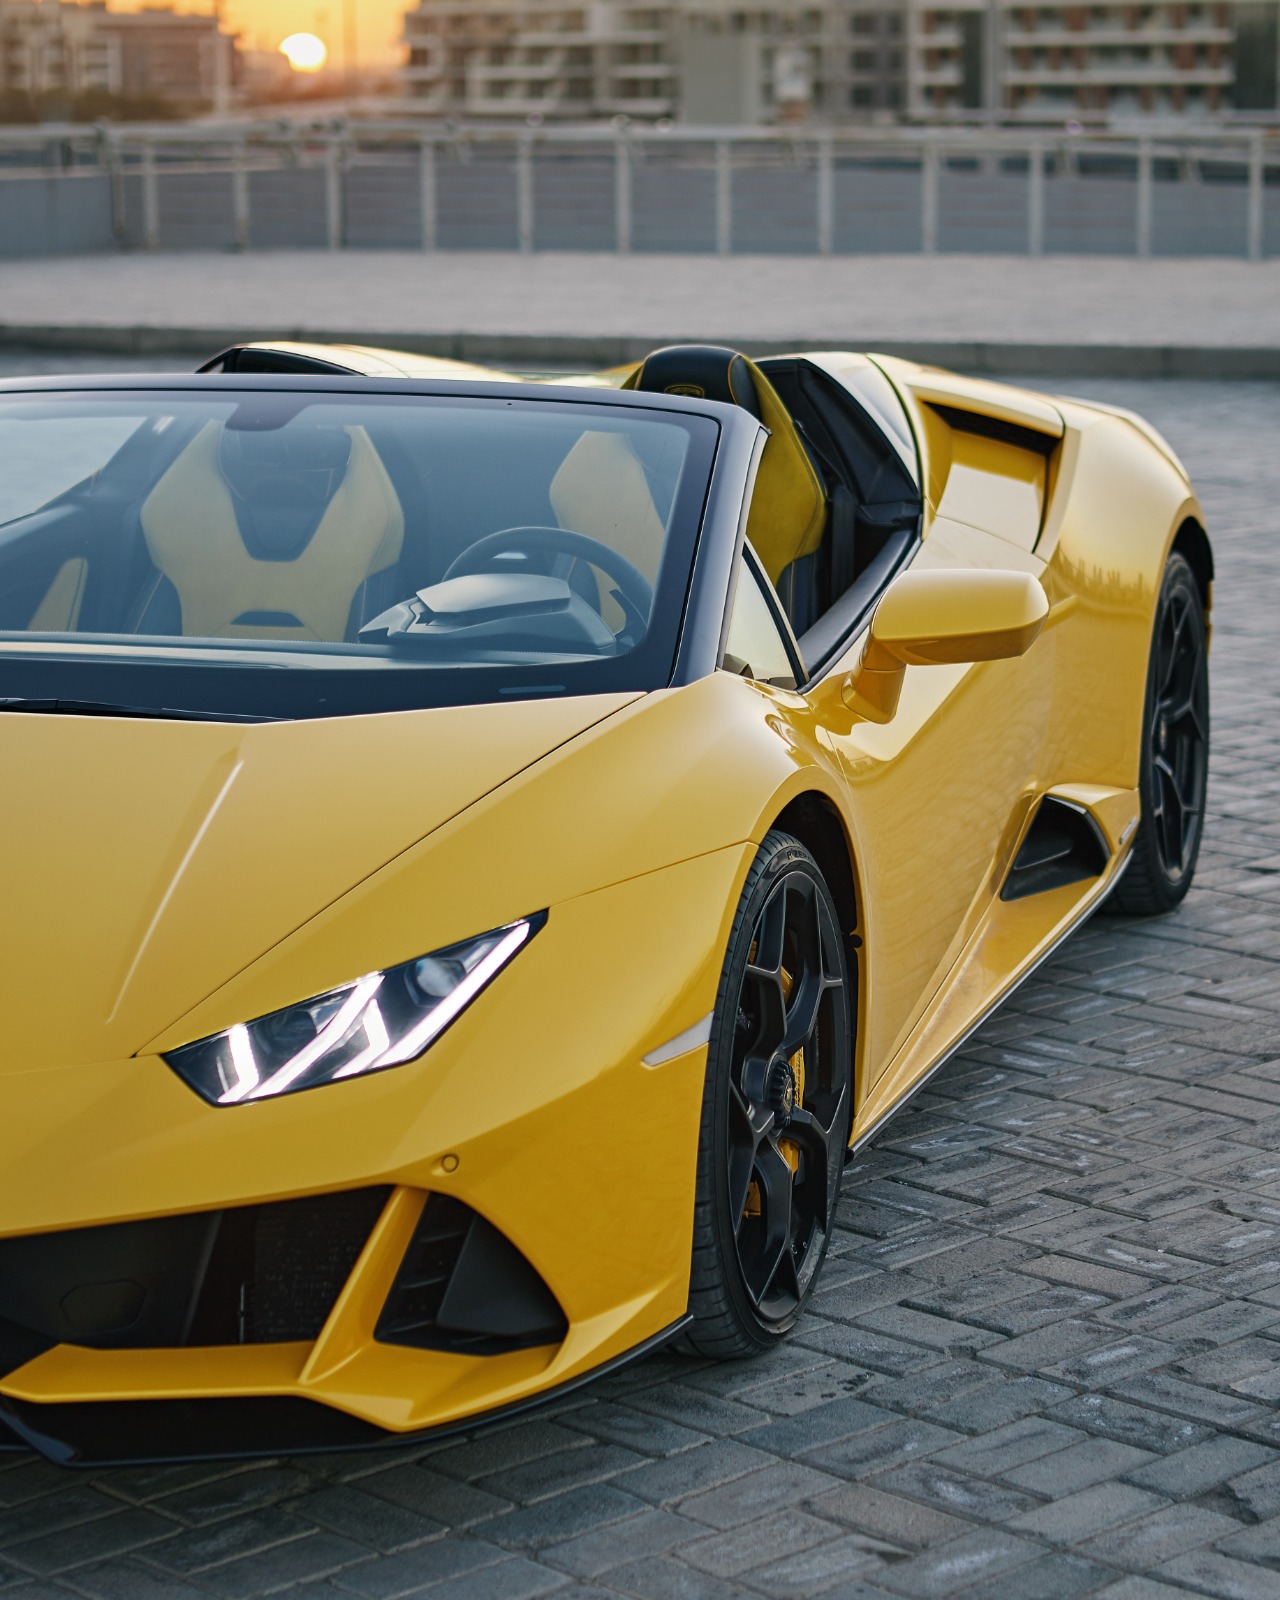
column 480, row 853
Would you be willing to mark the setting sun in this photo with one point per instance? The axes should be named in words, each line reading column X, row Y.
column 304, row 52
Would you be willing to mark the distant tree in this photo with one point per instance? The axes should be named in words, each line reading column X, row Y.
column 95, row 106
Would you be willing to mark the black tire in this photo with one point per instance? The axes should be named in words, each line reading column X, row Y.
column 776, row 1110
column 1174, row 772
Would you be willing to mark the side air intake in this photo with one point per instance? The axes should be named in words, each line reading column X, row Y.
column 1063, row 845
column 463, row 1286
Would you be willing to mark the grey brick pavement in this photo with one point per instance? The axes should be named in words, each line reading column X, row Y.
column 1045, row 1358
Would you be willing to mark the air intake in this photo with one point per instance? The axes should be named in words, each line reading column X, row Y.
column 463, row 1286
column 261, row 1274
column 1063, row 845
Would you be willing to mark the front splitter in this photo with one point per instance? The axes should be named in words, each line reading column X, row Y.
column 127, row 1433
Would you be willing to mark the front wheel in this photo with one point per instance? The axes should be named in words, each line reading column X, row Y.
column 777, row 1108
column 1174, row 774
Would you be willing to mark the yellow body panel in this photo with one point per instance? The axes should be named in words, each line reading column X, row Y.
column 223, row 871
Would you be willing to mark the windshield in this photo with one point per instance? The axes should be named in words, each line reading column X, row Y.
column 290, row 553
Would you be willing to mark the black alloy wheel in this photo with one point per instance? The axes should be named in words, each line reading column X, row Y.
column 777, row 1108
column 1175, row 751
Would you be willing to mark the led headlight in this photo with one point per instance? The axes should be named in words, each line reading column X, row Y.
column 381, row 1020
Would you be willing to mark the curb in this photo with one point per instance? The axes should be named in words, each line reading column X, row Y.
column 589, row 351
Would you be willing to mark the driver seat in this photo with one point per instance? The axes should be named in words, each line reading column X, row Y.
column 309, row 589
column 789, row 506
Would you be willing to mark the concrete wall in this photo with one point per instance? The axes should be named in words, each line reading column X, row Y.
column 55, row 214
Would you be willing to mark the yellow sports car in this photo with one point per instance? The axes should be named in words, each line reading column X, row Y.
column 480, row 853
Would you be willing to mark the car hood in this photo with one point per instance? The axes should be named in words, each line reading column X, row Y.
column 148, row 862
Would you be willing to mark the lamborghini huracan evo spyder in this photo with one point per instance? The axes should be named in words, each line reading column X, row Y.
column 480, row 853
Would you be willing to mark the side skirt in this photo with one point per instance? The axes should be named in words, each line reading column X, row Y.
column 862, row 1136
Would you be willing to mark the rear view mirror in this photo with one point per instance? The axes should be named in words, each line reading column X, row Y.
column 942, row 618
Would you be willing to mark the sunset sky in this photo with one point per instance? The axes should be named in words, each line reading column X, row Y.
column 263, row 23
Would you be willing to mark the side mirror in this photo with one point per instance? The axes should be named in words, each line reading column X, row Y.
column 942, row 618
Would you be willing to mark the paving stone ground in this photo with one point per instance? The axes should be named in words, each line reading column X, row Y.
column 1045, row 1358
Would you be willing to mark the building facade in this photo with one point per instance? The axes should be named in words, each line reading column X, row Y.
column 725, row 61
column 55, row 48
column 61, row 50
column 184, row 57
column 1093, row 60
column 704, row 61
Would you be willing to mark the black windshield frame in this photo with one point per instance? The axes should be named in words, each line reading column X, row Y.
column 213, row 682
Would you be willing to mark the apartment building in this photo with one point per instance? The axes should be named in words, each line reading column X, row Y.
column 62, row 50
column 1092, row 60
column 704, row 61
column 180, row 56
column 55, row 47
column 728, row 61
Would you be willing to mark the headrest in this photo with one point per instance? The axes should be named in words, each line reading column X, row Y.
column 703, row 371
column 282, row 481
column 789, row 505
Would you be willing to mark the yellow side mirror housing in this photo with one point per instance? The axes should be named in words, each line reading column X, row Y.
column 942, row 618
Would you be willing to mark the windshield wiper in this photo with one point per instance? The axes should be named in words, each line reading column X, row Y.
column 104, row 708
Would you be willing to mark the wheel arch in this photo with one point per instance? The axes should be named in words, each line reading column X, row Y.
column 1192, row 542
column 813, row 819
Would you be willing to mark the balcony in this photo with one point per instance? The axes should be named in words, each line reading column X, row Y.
column 1124, row 74
column 1133, row 38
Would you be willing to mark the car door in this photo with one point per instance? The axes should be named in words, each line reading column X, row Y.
column 938, row 793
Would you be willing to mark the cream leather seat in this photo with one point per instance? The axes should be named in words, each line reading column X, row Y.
column 301, row 584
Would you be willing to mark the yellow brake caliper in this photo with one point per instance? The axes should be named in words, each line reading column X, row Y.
column 790, row 1150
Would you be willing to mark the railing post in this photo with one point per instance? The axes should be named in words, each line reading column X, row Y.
column 1257, row 197
column 115, row 179
column 724, row 198
column 427, row 199
column 929, row 199
column 150, row 197
column 333, row 194
column 524, row 192
column 826, row 194
column 621, row 195
column 240, row 195
column 1035, row 201
column 1143, row 218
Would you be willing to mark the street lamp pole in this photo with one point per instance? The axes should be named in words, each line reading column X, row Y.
column 349, row 67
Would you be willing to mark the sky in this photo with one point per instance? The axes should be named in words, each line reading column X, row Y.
column 263, row 23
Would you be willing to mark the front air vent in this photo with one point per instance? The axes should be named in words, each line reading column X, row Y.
column 275, row 1271
column 464, row 1287
column 263, row 1274
column 1063, row 845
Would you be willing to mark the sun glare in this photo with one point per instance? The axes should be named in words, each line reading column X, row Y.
column 304, row 52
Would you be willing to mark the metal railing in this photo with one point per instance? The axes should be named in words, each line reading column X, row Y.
column 725, row 191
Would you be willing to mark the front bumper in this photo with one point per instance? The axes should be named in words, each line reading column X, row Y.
column 536, row 1111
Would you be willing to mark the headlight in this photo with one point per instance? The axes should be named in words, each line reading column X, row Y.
column 379, row 1021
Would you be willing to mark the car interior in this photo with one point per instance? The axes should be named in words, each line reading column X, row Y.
column 836, row 508
column 239, row 528
column 296, row 517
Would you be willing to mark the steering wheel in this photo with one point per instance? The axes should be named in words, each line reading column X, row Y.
column 632, row 584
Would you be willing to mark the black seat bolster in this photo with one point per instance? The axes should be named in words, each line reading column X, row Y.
column 840, row 542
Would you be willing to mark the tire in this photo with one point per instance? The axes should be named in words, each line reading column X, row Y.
column 776, row 1110
column 1174, row 772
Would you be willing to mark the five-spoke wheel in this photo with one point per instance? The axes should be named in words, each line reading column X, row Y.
column 777, row 1109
